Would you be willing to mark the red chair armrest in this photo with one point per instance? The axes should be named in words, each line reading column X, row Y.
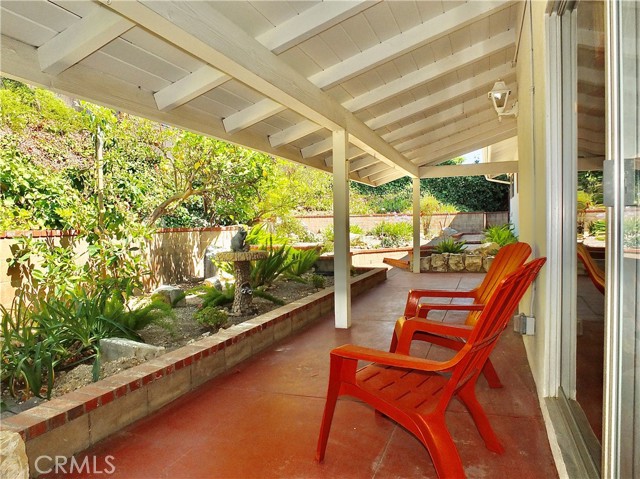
column 413, row 299
column 350, row 351
column 424, row 308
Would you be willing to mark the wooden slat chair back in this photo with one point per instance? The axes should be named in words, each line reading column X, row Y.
column 416, row 392
column 593, row 270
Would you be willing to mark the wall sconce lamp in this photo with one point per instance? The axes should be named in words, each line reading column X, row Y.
column 499, row 95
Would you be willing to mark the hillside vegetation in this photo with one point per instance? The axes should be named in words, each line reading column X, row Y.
column 156, row 175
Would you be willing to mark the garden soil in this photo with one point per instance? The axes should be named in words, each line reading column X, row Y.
column 184, row 330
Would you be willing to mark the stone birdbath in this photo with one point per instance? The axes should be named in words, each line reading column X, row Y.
column 243, row 295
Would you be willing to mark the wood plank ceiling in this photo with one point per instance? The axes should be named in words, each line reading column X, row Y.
column 408, row 80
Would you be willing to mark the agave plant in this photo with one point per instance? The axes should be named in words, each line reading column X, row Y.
column 450, row 246
column 303, row 261
column 501, row 235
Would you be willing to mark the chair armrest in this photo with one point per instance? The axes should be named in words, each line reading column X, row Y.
column 424, row 308
column 350, row 351
column 407, row 328
column 437, row 328
column 414, row 296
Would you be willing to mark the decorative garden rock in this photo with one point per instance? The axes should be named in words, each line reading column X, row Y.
column 487, row 249
column 473, row 263
column 486, row 262
column 425, row 264
column 456, row 263
column 171, row 294
column 13, row 456
column 243, row 295
column 439, row 262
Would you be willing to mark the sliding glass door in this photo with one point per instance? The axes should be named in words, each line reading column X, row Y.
column 621, row 441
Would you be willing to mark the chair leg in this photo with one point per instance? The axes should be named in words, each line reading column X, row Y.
column 332, row 397
column 491, row 375
column 468, row 397
column 397, row 333
column 442, row 449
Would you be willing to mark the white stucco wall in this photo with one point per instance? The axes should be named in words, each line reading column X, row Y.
column 531, row 177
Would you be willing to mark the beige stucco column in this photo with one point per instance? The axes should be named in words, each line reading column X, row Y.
column 341, row 258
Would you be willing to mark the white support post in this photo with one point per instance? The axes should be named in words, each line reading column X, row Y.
column 341, row 258
column 416, row 225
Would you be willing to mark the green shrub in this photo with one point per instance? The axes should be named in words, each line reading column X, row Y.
column 393, row 234
column 260, row 235
column 631, row 233
column 584, row 200
column 293, row 229
column 356, row 229
column 448, row 245
column 27, row 353
column 502, row 234
column 598, row 229
column 318, row 281
column 59, row 332
column 266, row 271
column 393, row 203
column 211, row 317
column 303, row 261
column 214, row 297
column 260, row 293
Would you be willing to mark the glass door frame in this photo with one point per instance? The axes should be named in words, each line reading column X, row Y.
column 584, row 458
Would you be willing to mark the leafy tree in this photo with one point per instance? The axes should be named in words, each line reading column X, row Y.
column 467, row 193
column 226, row 176
column 30, row 196
column 591, row 183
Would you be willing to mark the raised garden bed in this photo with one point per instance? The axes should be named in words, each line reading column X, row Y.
column 77, row 420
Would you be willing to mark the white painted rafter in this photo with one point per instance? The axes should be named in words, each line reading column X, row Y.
column 415, row 37
column 81, row 39
column 462, row 88
column 411, row 80
column 292, row 133
column 309, row 23
column 222, row 44
column 448, row 129
column 464, row 142
column 279, row 39
column 186, row 89
column 251, row 115
column 436, row 119
column 431, row 71
column 421, row 34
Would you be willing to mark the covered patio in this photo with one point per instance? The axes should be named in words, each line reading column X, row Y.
column 262, row 418
column 372, row 91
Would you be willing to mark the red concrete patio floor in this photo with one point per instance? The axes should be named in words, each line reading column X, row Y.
column 261, row 420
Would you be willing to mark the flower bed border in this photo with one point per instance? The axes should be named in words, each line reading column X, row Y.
column 71, row 423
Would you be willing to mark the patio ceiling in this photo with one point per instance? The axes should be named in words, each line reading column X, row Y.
column 408, row 80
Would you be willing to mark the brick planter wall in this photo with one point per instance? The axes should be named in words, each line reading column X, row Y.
column 71, row 423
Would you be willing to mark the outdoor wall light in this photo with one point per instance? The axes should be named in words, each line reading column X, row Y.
column 499, row 95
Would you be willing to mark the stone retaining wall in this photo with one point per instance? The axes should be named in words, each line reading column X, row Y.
column 455, row 263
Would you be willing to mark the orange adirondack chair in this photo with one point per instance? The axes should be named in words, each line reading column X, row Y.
column 411, row 326
column 593, row 270
column 416, row 392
